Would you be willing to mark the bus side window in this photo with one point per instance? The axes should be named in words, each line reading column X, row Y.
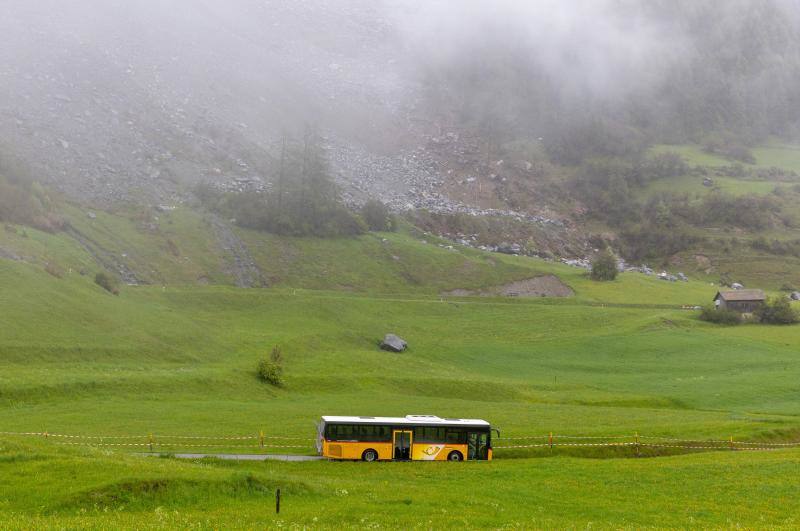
column 367, row 433
column 434, row 435
column 456, row 437
column 333, row 432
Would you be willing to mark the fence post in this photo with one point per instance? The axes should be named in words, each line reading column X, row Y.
column 551, row 441
column 278, row 501
column 638, row 446
column 261, row 438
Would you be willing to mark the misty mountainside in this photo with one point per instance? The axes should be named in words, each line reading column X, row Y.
column 664, row 130
column 142, row 97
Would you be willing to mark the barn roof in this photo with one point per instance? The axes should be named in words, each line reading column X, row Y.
column 741, row 295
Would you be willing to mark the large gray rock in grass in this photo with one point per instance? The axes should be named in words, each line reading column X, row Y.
column 795, row 296
column 392, row 343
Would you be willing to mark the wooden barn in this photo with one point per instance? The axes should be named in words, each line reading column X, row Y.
column 740, row 300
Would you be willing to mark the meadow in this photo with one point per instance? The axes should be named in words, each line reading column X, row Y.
column 616, row 359
column 73, row 489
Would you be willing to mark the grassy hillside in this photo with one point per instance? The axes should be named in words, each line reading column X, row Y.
column 183, row 247
column 381, row 262
column 187, row 246
column 727, row 248
column 180, row 248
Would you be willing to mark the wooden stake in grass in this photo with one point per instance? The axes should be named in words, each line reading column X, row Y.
column 732, row 448
column 150, row 442
column 278, row 501
column 551, row 441
column 638, row 449
column 261, row 438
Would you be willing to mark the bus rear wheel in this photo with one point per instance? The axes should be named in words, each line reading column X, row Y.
column 369, row 455
column 455, row 456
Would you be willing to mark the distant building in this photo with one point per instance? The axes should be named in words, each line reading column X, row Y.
column 741, row 300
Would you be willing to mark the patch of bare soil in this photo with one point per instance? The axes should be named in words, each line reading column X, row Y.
column 544, row 286
column 703, row 263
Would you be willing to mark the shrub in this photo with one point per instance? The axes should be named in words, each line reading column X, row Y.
column 25, row 202
column 377, row 216
column 663, row 165
column 728, row 146
column 604, row 267
column 271, row 370
column 749, row 211
column 107, row 282
column 54, row 270
column 777, row 311
column 654, row 240
column 173, row 248
column 722, row 316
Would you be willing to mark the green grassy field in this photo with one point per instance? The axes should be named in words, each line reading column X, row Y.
column 113, row 491
column 773, row 154
column 616, row 359
column 694, row 186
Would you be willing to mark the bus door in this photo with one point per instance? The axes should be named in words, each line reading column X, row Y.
column 402, row 445
column 477, row 445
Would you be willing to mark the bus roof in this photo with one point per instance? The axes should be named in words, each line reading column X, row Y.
column 408, row 420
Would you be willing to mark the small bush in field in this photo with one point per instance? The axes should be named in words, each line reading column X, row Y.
column 271, row 370
column 604, row 267
column 107, row 282
column 54, row 270
column 377, row 216
column 720, row 315
column 777, row 311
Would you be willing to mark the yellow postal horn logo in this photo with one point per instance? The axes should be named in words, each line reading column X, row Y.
column 432, row 450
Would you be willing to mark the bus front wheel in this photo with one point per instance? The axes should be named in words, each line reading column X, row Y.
column 455, row 456
column 369, row 455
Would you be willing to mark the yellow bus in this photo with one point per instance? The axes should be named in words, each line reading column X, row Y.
column 413, row 437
